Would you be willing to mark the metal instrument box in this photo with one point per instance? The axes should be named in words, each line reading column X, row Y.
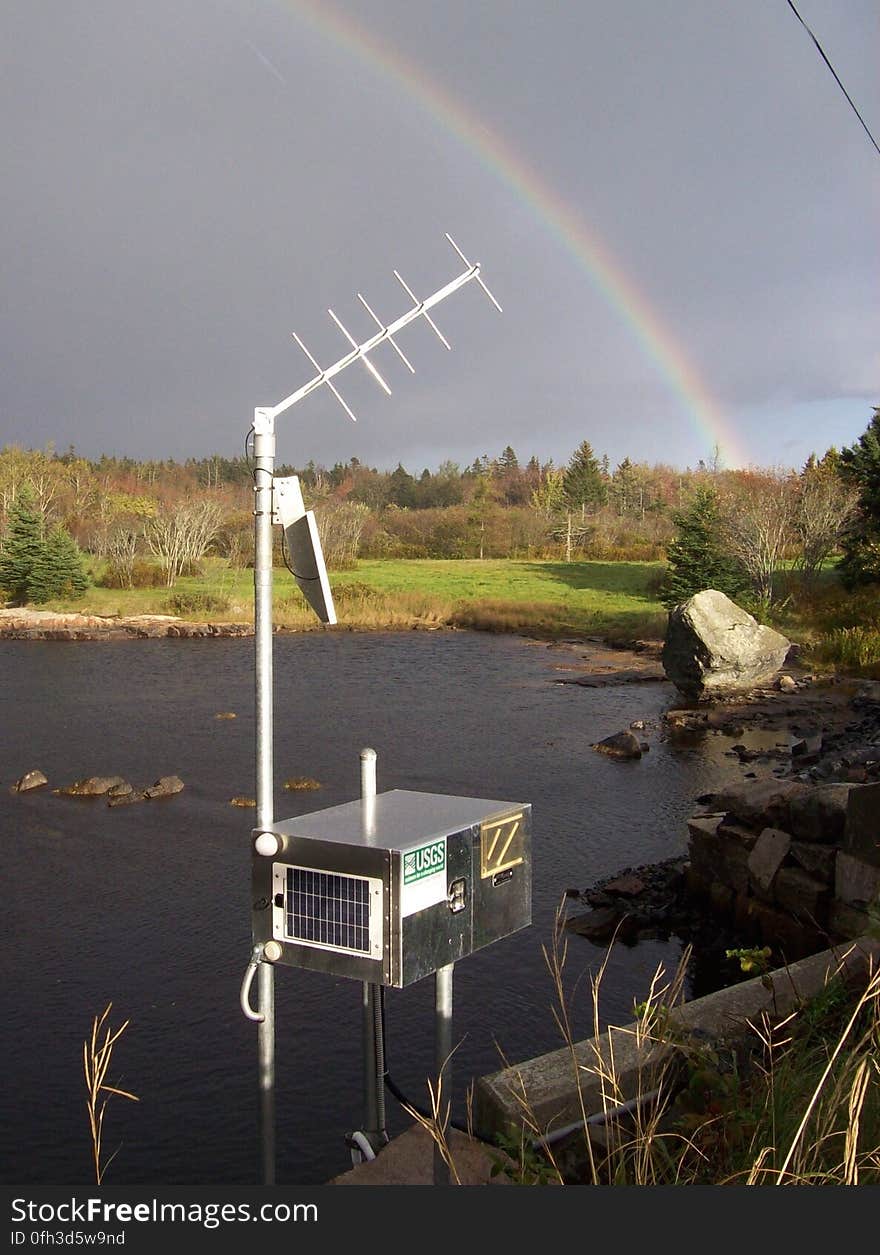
column 388, row 889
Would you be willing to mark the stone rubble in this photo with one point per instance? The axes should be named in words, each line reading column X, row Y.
column 788, row 858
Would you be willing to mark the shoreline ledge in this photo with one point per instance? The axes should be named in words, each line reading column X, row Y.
column 51, row 625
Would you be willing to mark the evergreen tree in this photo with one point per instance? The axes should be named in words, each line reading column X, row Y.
column 22, row 546
column 623, row 486
column 401, row 488
column 584, row 482
column 697, row 559
column 58, row 569
column 860, row 466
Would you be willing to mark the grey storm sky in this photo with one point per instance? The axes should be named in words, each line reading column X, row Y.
column 671, row 199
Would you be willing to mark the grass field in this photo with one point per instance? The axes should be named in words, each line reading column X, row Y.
column 616, row 601
column 612, row 599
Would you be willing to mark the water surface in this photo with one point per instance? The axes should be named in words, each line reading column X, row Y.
column 148, row 906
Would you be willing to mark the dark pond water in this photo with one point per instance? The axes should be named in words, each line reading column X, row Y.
column 148, row 906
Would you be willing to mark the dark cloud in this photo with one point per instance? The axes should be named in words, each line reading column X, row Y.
column 186, row 184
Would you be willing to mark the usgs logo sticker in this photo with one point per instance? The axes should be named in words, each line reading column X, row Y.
column 424, row 861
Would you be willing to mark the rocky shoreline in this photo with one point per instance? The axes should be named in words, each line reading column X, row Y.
column 817, row 737
column 50, row 625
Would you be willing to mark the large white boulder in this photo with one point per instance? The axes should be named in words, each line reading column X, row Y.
column 713, row 648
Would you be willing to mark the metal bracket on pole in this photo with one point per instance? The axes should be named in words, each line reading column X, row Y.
column 264, row 421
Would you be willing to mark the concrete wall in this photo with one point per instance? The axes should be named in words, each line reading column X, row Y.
column 559, row 1088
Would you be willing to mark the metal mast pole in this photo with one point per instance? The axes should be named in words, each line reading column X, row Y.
column 264, row 466
column 373, row 1028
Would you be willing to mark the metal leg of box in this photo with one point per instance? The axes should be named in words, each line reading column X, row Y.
column 443, row 1007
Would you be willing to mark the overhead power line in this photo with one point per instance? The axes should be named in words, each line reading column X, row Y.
column 834, row 72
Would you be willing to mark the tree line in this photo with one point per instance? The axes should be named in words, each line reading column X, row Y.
column 150, row 521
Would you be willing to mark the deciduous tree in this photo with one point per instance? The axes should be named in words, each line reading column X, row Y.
column 759, row 514
column 179, row 537
column 825, row 507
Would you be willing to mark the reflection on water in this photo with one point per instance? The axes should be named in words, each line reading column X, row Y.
column 148, row 905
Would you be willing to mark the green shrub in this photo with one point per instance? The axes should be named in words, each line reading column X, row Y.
column 851, row 647
column 656, row 582
column 196, row 603
column 144, row 574
column 355, row 590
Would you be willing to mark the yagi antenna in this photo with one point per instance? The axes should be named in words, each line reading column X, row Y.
column 387, row 331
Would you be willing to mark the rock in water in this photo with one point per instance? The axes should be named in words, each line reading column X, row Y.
column 92, row 786
column 126, row 799
column 713, row 647
column 165, row 786
column 30, row 780
column 620, row 745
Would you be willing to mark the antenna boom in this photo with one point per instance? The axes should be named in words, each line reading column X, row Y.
column 386, row 332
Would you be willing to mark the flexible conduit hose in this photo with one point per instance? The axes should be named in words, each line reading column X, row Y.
column 362, row 1142
column 247, row 980
column 381, row 1071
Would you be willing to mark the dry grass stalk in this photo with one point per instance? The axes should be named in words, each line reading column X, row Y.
column 96, row 1061
column 856, row 1103
column 555, row 961
column 631, row 1128
column 638, row 1150
column 529, row 1123
column 643, row 1141
column 824, row 1147
column 869, row 995
column 436, row 1125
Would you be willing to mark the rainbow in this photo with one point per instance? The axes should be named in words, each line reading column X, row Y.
column 592, row 255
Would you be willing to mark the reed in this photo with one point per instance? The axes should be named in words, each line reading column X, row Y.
column 797, row 1103
column 97, row 1055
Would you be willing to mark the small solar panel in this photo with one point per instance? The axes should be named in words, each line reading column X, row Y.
column 308, row 566
column 332, row 911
